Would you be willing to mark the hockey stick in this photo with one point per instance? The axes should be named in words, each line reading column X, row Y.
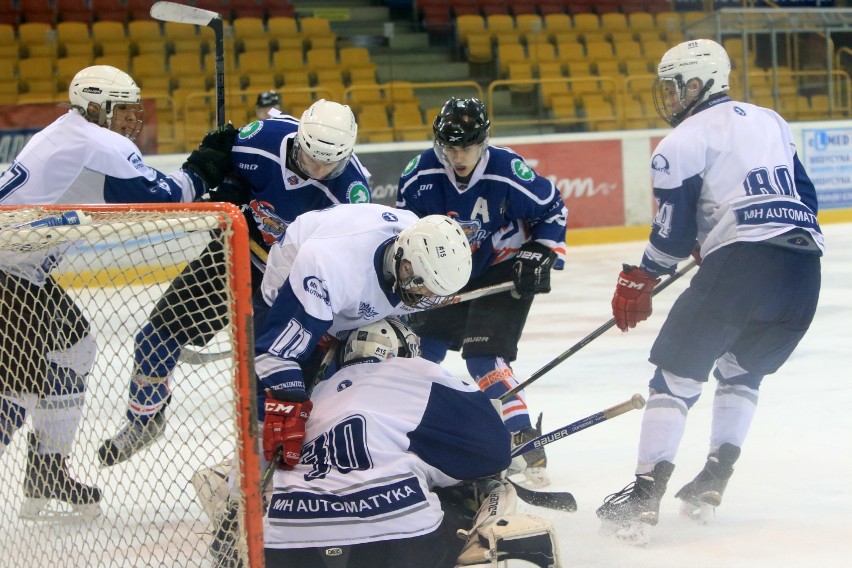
column 29, row 239
column 563, row 500
column 194, row 357
column 636, row 402
column 558, row 500
column 181, row 14
column 592, row 336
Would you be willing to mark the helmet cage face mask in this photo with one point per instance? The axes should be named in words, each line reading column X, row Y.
column 110, row 90
column 326, row 136
column 380, row 341
column 689, row 74
column 431, row 261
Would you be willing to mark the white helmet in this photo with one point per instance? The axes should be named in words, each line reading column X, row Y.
column 378, row 341
column 107, row 87
column 327, row 132
column 701, row 59
column 439, row 253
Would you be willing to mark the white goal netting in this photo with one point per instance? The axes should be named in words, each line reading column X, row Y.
column 104, row 277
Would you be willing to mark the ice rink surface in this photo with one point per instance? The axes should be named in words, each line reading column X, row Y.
column 789, row 502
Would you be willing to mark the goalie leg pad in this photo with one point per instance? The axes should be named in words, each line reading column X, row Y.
column 513, row 537
column 212, row 489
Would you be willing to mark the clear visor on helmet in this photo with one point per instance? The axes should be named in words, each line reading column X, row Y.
column 317, row 169
column 460, row 157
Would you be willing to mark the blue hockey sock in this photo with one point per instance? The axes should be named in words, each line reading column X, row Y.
column 156, row 353
column 146, row 399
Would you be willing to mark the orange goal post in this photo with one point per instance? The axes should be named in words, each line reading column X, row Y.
column 114, row 266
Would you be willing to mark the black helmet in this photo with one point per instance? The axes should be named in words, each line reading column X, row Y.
column 268, row 99
column 462, row 122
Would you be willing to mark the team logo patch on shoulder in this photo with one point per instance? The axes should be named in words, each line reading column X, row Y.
column 522, row 170
column 358, row 193
column 411, row 165
column 390, row 217
column 250, row 130
column 316, row 287
column 659, row 163
column 740, row 111
column 343, row 385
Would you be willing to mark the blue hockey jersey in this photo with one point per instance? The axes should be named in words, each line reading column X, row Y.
column 276, row 194
column 504, row 205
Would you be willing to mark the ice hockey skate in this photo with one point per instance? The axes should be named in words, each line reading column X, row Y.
column 51, row 494
column 630, row 513
column 534, row 463
column 703, row 494
column 133, row 437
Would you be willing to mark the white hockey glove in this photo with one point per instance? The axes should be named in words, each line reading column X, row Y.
column 499, row 534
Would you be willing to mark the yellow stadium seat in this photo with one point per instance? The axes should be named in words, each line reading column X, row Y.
column 74, row 39
column 284, row 33
column 558, row 24
column 250, row 34
column 468, row 24
column 510, row 53
column 36, row 39
column 586, row 21
column 287, row 60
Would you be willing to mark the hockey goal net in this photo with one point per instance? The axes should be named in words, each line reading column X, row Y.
column 115, row 266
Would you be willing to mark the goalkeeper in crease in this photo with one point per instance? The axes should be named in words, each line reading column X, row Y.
column 87, row 156
column 418, row 484
column 280, row 168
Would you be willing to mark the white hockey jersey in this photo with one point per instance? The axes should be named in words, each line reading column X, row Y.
column 73, row 160
column 324, row 276
column 729, row 173
column 380, row 436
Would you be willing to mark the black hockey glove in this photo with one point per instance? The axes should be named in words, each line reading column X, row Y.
column 532, row 270
column 212, row 160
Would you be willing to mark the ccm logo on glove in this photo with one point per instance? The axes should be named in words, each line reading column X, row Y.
column 284, row 428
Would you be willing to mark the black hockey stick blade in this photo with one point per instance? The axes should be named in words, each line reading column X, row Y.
column 592, row 336
column 556, row 500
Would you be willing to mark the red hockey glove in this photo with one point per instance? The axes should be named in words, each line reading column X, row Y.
column 631, row 302
column 284, row 427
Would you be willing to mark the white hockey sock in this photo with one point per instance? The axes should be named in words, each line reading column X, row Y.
column 663, row 424
column 56, row 419
column 733, row 410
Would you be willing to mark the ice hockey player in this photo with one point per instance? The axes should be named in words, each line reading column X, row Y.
column 88, row 155
column 729, row 177
column 394, row 264
column 515, row 221
column 266, row 101
column 85, row 156
column 413, row 434
column 283, row 167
